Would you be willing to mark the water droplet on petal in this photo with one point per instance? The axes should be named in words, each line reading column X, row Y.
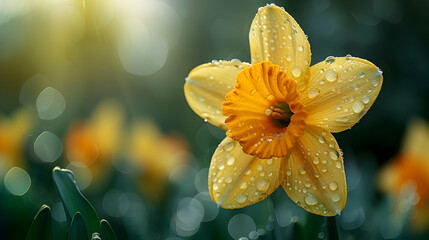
column 361, row 74
column 358, row 106
column 302, row 171
column 312, row 93
column 270, row 97
column 241, row 198
column 243, row 185
column 220, row 166
column 300, row 48
column 296, row 71
column 263, row 186
column 331, row 75
column 334, row 154
column 365, row 99
column 338, row 164
column 321, row 139
column 335, row 197
column 252, row 92
column 375, row 82
column 310, row 200
column 316, row 160
column 228, row 179
column 333, row 186
column 230, row 161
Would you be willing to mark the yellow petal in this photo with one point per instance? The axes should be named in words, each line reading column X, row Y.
column 207, row 85
column 340, row 91
column 276, row 37
column 237, row 179
column 417, row 139
column 315, row 177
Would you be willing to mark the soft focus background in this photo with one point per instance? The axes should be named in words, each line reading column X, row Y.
column 96, row 86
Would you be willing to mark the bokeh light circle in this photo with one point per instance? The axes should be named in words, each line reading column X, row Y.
column 17, row 181
column 241, row 225
column 48, row 147
column 50, row 104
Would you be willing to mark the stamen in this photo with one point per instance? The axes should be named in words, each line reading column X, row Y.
column 280, row 114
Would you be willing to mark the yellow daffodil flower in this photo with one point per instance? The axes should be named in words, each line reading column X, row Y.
column 155, row 155
column 279, row 112
column 411, row 169
column 95, row 142
column 13, row 131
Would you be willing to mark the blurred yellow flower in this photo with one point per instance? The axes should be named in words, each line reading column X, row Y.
column 410, row 169
column 278, row 114
column 95, row 142
column 13, row 132
column 155, row 155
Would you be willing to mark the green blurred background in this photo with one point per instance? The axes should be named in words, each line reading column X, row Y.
column 76, row 73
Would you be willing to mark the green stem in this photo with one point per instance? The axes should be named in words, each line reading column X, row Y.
column 332, row 230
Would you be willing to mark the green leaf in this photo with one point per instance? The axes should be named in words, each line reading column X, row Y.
column 41, row 226
column 77, row 228
column 106, row 231
column 332, row 228
column 74, row 201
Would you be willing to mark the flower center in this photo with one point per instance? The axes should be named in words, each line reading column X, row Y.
column 280, row 114
column 264, row 112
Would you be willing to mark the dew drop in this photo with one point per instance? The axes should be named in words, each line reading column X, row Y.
column 312, row 93
column 331, row 75
column 300, row 48
column 268, row 112
column 375, row 82
column 330, row 60
column 333, row 186
column 334, row 154
column 324, row 169
column 289, row 58
column 338, row 164
column 228, row 179
column 252, row 92
column 365, row 99
column 321, row 139
column 361, row 74
column 220, row 166
column 316, row 160
column 230, row 161
column 215, row 187
column 310, row 200
column 288, row 172
column 241, row 198
column 342, row 119
column 302, row 171
column 296, row 71
column 243, row 185
column 356, row 87
column 263, row 186
column 270, row 161
column 270, row 97
column 335, row 197
column 358, row 106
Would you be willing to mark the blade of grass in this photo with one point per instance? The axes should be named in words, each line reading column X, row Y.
column 74, row 201
column 41, row 226
column 332, row 230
